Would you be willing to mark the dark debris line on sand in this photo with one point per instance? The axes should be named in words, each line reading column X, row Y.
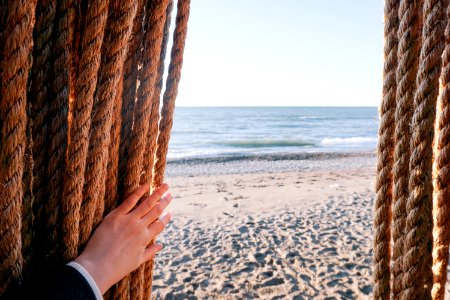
column 276, row 162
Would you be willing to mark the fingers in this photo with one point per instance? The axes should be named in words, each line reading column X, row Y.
column 151, row 251
column 150, row 201
column 131, row 201
column 158, row 226
column 157, row 209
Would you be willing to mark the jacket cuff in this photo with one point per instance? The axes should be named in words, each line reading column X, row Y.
column 88, row 277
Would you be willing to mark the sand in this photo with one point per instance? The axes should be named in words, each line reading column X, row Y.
column 269, row 228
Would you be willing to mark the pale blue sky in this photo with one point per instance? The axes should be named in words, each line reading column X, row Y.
column 283, row 52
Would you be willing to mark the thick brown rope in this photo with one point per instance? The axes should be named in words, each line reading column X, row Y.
column 40, row 93
column 27, row 201
column 130, row 78
column 118, row 32
column 58, row 130
column 155, row 17
column 151, row 50
column 128, row 87
column 408, row 60
column 417, row 279
column 382, row 218
column 16, row 64
column 3, row 14
column 119, row 91
column 152, row 133
column 441, row 207
column 170, row 94
column 91, row 42
column 173, row 79
column 112, row 178
column 113, row 157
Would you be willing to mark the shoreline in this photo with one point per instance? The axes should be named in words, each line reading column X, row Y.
column 269, row 162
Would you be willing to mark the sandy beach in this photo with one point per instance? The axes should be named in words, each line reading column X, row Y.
column 269, row 227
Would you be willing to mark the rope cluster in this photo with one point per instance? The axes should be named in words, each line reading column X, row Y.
column 81, row 84
column 413, row 153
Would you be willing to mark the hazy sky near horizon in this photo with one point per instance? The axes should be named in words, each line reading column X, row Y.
column 285, row 52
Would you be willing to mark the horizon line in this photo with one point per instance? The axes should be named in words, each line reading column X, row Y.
column 202, row 106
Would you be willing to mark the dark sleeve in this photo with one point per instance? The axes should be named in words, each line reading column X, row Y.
column 65, row 283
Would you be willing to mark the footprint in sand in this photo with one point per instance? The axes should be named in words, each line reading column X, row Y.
column 202, row 205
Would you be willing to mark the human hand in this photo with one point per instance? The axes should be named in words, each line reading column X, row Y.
column 120, row 244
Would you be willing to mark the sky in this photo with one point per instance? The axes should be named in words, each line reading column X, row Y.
column 283, row 53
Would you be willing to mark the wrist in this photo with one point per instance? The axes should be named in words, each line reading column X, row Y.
column 96, row 273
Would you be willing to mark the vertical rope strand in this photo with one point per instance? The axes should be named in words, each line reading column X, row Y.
column 58, row 130
column 128, row 97
column 130, row 75
column 152, row 135
column 40, row 92
column 91, row 43
column 113, row 164
column 118, row 31
column 27, row 201
column 118, row 91
column 155, row 19
column 16, row 64
column 3, row 14
column 417, row 279
column 441, row 207
column 173, row 79
column 113, row 157
column 408, row 61
column 382, row 218
column 170, row 94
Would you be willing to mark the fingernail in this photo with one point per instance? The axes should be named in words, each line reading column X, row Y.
column 165, row 218
column 167, row 197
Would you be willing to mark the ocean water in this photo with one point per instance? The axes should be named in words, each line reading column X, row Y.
column 219, row 131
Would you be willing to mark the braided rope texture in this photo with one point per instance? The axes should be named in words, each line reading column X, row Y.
column 118, row 31
column 156, row 13
column 112, row 178
column 148, row 72
column 417, row 279
column 128, row 88
column 383, row 186
column 441, row 207
column 86, row 81
column 38, row 97
column 130, row 78
column 62, row 139
column 173, row 79
column 15, row 66
column 409, row 33
column 27, row 201
column 152, row 133
column 112, row 169
column 170, row 94
column 58, row 130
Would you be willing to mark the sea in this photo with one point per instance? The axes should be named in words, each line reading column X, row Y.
column 236, row 131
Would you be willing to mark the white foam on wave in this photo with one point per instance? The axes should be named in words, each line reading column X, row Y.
column 308, row 117
column 358, row 140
